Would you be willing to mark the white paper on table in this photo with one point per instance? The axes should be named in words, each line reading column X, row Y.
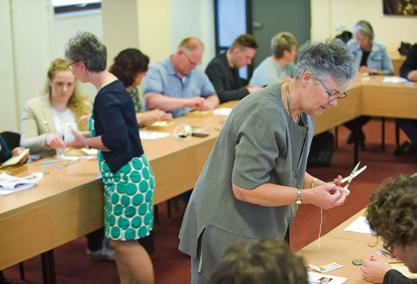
column 222, row 111
column 394, row 79
column 360, row 225
column 152, row 135
column 314, row 277
column 10, row 184
column 90, row 151
column 75, row 158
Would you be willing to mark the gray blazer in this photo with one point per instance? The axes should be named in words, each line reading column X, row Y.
column 259, row 144
column 36, row 122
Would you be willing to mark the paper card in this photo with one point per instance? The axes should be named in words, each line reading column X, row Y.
column 326, row 267
column 152, row 135
column 360, row 225
column 314, row 277
column 394, row 79
column 15, row 159
column 222, row 111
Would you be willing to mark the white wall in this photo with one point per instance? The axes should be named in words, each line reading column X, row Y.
column 120, row 21
column 8, row 117
column 327, row 15
column 193, row 18
column 65, row 27
column 30, row 37
column 154, row 20
column 31, row 41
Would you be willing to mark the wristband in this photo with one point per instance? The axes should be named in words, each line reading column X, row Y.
column 298, row 200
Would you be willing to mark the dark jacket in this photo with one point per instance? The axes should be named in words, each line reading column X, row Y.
column 395, row 277
column 229, row 86
column 5, row 152
column 410, row 63
column 115, row 120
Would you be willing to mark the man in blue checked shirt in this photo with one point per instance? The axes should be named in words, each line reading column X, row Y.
column 175, row 85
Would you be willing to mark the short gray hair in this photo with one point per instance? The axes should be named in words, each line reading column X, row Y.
column 332, row 58
column 365, row 28
column 281, row 42
column 87, row 48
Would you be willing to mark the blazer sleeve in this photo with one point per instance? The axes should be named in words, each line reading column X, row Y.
column 30, row 135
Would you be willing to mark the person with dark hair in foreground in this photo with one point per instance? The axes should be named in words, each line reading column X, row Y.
column 264, row 261
column 392, row 215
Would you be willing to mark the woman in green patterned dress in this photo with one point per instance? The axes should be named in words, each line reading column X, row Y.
column 127, row 177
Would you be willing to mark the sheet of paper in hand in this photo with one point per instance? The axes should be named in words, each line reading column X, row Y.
column 15, row 159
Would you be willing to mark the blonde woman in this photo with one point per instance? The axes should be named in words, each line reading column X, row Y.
column 47, row 118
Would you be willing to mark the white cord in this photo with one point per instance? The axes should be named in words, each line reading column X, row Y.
column 321, row 225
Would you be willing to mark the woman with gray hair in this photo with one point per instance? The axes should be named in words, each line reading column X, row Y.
column 370, row 58
column 127, row 177
column 255, row 176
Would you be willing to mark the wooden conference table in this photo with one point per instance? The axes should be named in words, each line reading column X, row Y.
column 342, row 247
column 67, row 203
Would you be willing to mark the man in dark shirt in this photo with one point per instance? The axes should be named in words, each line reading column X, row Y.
column 409, row 71
column 223, row 70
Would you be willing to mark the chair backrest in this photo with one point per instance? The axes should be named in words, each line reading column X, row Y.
column 12, row 139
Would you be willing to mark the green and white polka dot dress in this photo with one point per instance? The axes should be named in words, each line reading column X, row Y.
column 128, row 197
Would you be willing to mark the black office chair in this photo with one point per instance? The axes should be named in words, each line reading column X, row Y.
column 12, row 139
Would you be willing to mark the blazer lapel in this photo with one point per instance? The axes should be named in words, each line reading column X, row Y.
column 47, row 118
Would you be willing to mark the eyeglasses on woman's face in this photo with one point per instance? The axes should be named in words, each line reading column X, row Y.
column 336, row 95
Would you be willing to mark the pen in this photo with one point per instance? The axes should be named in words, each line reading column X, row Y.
column 384, row 252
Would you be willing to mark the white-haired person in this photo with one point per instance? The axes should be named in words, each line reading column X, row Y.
column 257, row 168
column 371, row 58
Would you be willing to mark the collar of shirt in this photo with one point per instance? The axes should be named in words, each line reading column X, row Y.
column 171, row 70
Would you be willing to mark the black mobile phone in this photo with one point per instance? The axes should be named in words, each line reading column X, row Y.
column 199, row 134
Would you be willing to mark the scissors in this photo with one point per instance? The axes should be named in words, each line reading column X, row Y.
column 355, row 172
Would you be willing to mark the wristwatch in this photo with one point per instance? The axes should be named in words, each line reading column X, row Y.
column 298, row 200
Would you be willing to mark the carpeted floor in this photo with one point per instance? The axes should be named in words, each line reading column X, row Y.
column 72, row 265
